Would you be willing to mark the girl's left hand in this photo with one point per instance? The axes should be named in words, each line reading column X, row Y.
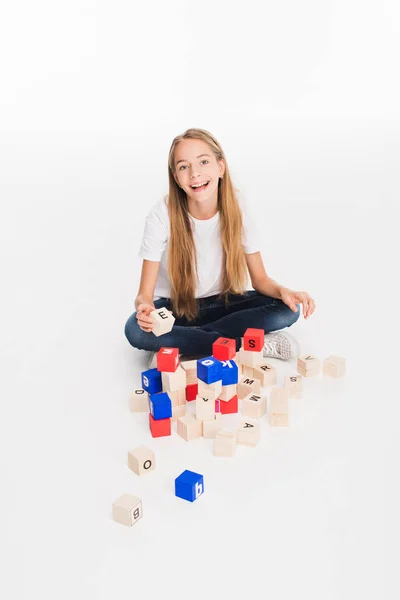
column 291, row 298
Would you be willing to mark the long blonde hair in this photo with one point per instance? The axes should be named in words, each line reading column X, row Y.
column 182, row 251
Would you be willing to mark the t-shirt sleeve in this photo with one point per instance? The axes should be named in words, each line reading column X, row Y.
column 251, row 241
column 155, row 236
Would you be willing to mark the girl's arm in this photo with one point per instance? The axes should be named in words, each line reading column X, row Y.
column 260, row 281
column 148, row 280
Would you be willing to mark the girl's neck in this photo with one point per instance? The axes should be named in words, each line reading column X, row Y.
column 202, row 210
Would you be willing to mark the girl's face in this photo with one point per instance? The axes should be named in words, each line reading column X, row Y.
column 195, row 163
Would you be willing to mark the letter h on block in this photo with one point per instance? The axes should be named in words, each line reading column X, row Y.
column 189, row 485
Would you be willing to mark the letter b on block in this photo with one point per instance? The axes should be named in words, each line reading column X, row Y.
column 189, row 485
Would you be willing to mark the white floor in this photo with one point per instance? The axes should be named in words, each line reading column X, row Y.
column 305, row 514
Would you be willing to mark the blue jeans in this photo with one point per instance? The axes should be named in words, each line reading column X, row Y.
column 250, row 309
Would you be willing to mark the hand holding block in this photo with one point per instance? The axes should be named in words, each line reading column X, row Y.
column 127, row 510
column 163, row 321
column 141, row 460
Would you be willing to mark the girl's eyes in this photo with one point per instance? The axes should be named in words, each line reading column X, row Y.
column 205, row 160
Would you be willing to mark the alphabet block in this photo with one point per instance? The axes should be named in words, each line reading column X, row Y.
column 173, row 381
column 190, row 368
column 189, row 428
column 266, row 374
column 229, row 407
column 151, row 381
column 225, row 443
column 279, row 407
column 141, row 460
column 163, row 321
column 230, row 372
column 248, row 371
column 189, row 485
column 247, row 386
column 178, row 411
column 251, row 358
column 159, row 427
column 224, row 348
column 191, row 391
column 139, row 401
column 254, row 406
column 205, row 408
column 334, row 366
column 211, row 390
column 308, row 365
column 168, row 359
column 178, row 397
column 248, row 433
column 209, row 369
column 160, row 406
column 210, row 428
column 127, row 510
column 227, row 392
column 253, row 339
column 294, row 385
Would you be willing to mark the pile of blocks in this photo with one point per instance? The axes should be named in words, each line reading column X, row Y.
column 216, row 384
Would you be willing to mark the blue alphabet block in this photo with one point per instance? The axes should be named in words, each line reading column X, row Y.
column 209, row 369
column 189, row 485
column 230, row 372
column 151, row 381
column 160, row 406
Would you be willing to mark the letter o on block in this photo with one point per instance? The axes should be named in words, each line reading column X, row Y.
column 141, row 460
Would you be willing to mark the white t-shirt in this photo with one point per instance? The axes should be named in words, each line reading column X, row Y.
column 207, row 239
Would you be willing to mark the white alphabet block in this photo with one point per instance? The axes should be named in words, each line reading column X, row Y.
column 308, row 365
column 139, row 401
column 248, row 433
column 266, row 373
column 247, row 386
column 211, row 390
column 225, row 443
column 254, row 406
column 178, row 411
column 250, row 358
column 178, row 397
column 189, row 428
column 171, row 382
column 205, row 408
column 279, row 407
column 294, row 385
column 127, row 510
column 210, row 428
column 141, row 460
column 227, row 392
column 163, row 321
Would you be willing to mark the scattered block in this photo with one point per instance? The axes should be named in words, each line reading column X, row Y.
column 249, row 358
column 294, row 385
column 141, row 460
column 163, row 321
column 189, row 485
column 308, row 365
column 160, row 406
column 253, row 339
column 151, row 381
column 190, row 368
column 178, row 397
column 178, row 411
column 224, row 348
column 265, row 373
column 210, row 390
column 279, row 407
column 254, row 406
column 248, row 386
column 248, row 433
column 225, row 443
column 173, row 381
column 139, row 401
column 209, row 369
column 230, row 372
column 168, row 359
column 248, row 371
column 334, row 366
column 127, row 510
column 210, row 428
column 229, row 407
column 189, row 428
column 227, row 392
column 205, row 408
column 159, row 427
column 191, row 391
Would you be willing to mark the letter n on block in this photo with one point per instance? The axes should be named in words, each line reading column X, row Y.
column 189, row 485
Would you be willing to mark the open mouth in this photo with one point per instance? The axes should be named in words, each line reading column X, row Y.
column 199, row 189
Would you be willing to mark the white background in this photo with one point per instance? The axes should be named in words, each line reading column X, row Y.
column 304, row 98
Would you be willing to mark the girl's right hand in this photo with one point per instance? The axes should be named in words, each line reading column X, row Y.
column 142, row 314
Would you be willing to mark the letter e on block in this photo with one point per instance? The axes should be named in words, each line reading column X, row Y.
column 163, row 321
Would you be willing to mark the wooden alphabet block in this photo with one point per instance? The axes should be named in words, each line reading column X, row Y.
column 253, row 339
column 248, row 371
column 248, row 386
column 159, row 427
column 334, row 366
column 229, row 407
column 178, row 397
column 178, row 411
column 190, row 368
column 209, row 369
column 211, row 390
column 192, row 390
column 224, row 348
column 227, row 392
column 168, row 359
column 248, row 433
column 225, row 443
column 250, row 358
column 163, row 321
column 308, row 365
column 254, row 406
column 210, row 428
column 294, row 385
column 173, row 381
column 265, row 373
column 139, row 401
column 127, row 510
column 205, row 408
column 189, row 428
column 279, row 407
column 141, row 460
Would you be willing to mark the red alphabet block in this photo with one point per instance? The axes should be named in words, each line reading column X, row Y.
column 232, row 406
column 168, row 359
column 224, row 348
column 159, row 427
column 191, row 391
column 253, row 339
